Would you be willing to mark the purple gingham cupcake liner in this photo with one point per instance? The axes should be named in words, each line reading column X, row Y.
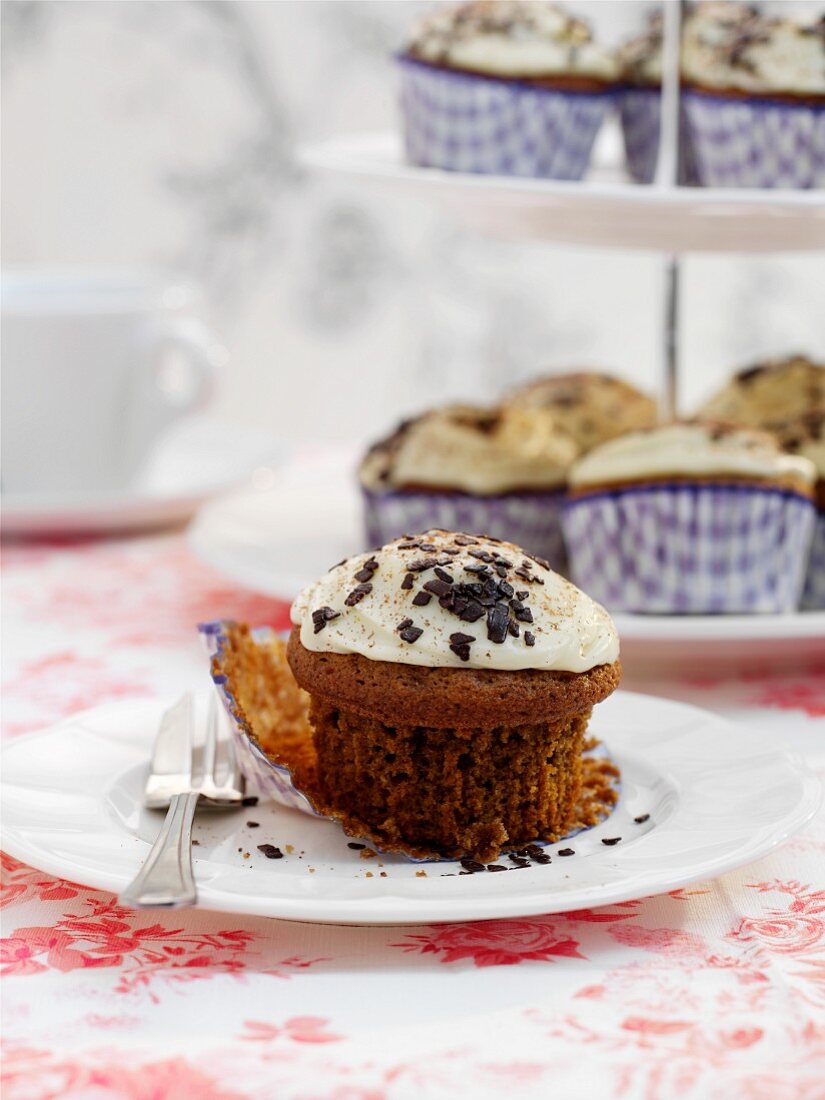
column 275, row 781
column 687, row 548
column 530, row 520
column 813, row 593
column 640, row 114
column 462, row 122
column 755, row 142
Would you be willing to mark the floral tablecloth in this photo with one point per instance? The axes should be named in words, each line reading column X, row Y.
column 712, row 991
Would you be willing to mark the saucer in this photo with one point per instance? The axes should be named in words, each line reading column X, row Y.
column 196, row 459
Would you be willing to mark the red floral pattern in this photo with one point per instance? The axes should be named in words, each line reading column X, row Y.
column 495, row 943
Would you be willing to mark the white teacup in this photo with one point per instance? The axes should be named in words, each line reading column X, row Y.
column 94, row 367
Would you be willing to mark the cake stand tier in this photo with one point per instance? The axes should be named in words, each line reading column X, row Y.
column 603, row 211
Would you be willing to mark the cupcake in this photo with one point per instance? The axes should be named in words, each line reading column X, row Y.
column 640, row 106
column 769, row 393
column 691, row 518
column 450, row 682
column 805, row 435
column 504, row 87
column 591, row 407
column 754, row 97
column 499, row 471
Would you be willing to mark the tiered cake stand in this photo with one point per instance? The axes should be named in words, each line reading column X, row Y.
column 266, row 540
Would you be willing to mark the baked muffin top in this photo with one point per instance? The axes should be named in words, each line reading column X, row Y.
column 591, row 407
column 804, row 435
column 511, row 38
column 691, row 449
column 473, row 450
column 769, row 392
column 731, row 46
column 449, row 600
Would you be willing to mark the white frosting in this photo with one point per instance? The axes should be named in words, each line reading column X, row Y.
column 480, row 451
column 725, row 45
column 689, row 450
column 514, row 38
column 572, row 633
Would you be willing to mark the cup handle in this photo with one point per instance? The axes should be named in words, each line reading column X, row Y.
column 187, row 356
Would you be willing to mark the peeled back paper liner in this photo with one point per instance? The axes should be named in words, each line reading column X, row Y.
column 463, row 122
column 530, row 520
column 276, row 781
column 690, row 548
column 761, row 143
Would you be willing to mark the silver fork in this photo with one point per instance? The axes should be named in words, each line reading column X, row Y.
column 166, row 878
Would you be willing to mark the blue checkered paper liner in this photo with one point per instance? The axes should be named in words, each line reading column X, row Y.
column 813, row 594
column 755, row 142
column 640, row 114
column 275, row 781
column 462, row 122
column 530, row 520
column 690, row 548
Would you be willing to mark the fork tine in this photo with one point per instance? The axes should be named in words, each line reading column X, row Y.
column 226, row 747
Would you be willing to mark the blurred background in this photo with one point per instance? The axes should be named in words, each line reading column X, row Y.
column 155, row 134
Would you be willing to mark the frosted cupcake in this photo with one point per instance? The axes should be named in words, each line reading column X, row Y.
column 450, row 679
column 640, row 105
column 754, row 97
column 498, row 471
column 691, row 518
column 805, row 435
column 504, row 87
column 592, row 407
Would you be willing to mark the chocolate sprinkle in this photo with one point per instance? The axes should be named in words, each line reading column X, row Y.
column 519, row 861
column 404, row 624
column 462, row 639
column 498, row 621
column 358, row 594
column 641, row 819
column 355, row 846
column 514, row 629
column 566, row 852
column 411, row 634
column 471, row 865
column 322, row 616
column 465, row 540
column 524, row 614
column 250, row 800
column 443, row 575
column 523, row 594
column 421, row 599
column 253, row 824
column 438, row 587
column 529, row 638
column 461, row 651
column 496, row 867
column 543, row 858
column 610, row 840
column 482, row 555
column 472, row 612
column 367, row 569
column 270, row 851
column 420, row 565
column 407, row 582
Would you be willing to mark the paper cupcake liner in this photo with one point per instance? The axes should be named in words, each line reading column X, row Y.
column 813, row 593
column 640, row 113
column 531, row 520
column 467, row 123
column 690, row 548
column 275, row 781
column 755, row 142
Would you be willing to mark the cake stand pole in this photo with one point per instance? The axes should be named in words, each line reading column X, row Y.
column 667, row 175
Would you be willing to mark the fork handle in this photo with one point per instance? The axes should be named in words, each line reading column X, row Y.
column 166, row 878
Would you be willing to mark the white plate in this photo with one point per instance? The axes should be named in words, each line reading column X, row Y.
column 196, row 459
column 718, row 795
column 279, row 539
column 605, row 210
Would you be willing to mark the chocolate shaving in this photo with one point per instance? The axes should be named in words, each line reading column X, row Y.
column 498, row 621
column 524, row 615
column 408, row 580
column 461, row 651
column 641, row 819
column 462, row 639
column 464, row 540
column 358, row 594
column 610, row 840
column 404, row 624
column 438, row 587
column 529, row 638
column 411, row 634
column 367, row 569
column 421, row 599
column 514, row 629
column 322, row 616
column 443, row 575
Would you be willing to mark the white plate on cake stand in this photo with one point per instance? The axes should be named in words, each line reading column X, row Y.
column 193, row 461
column 718, row 796
column 604, row 210
column 277, row 539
